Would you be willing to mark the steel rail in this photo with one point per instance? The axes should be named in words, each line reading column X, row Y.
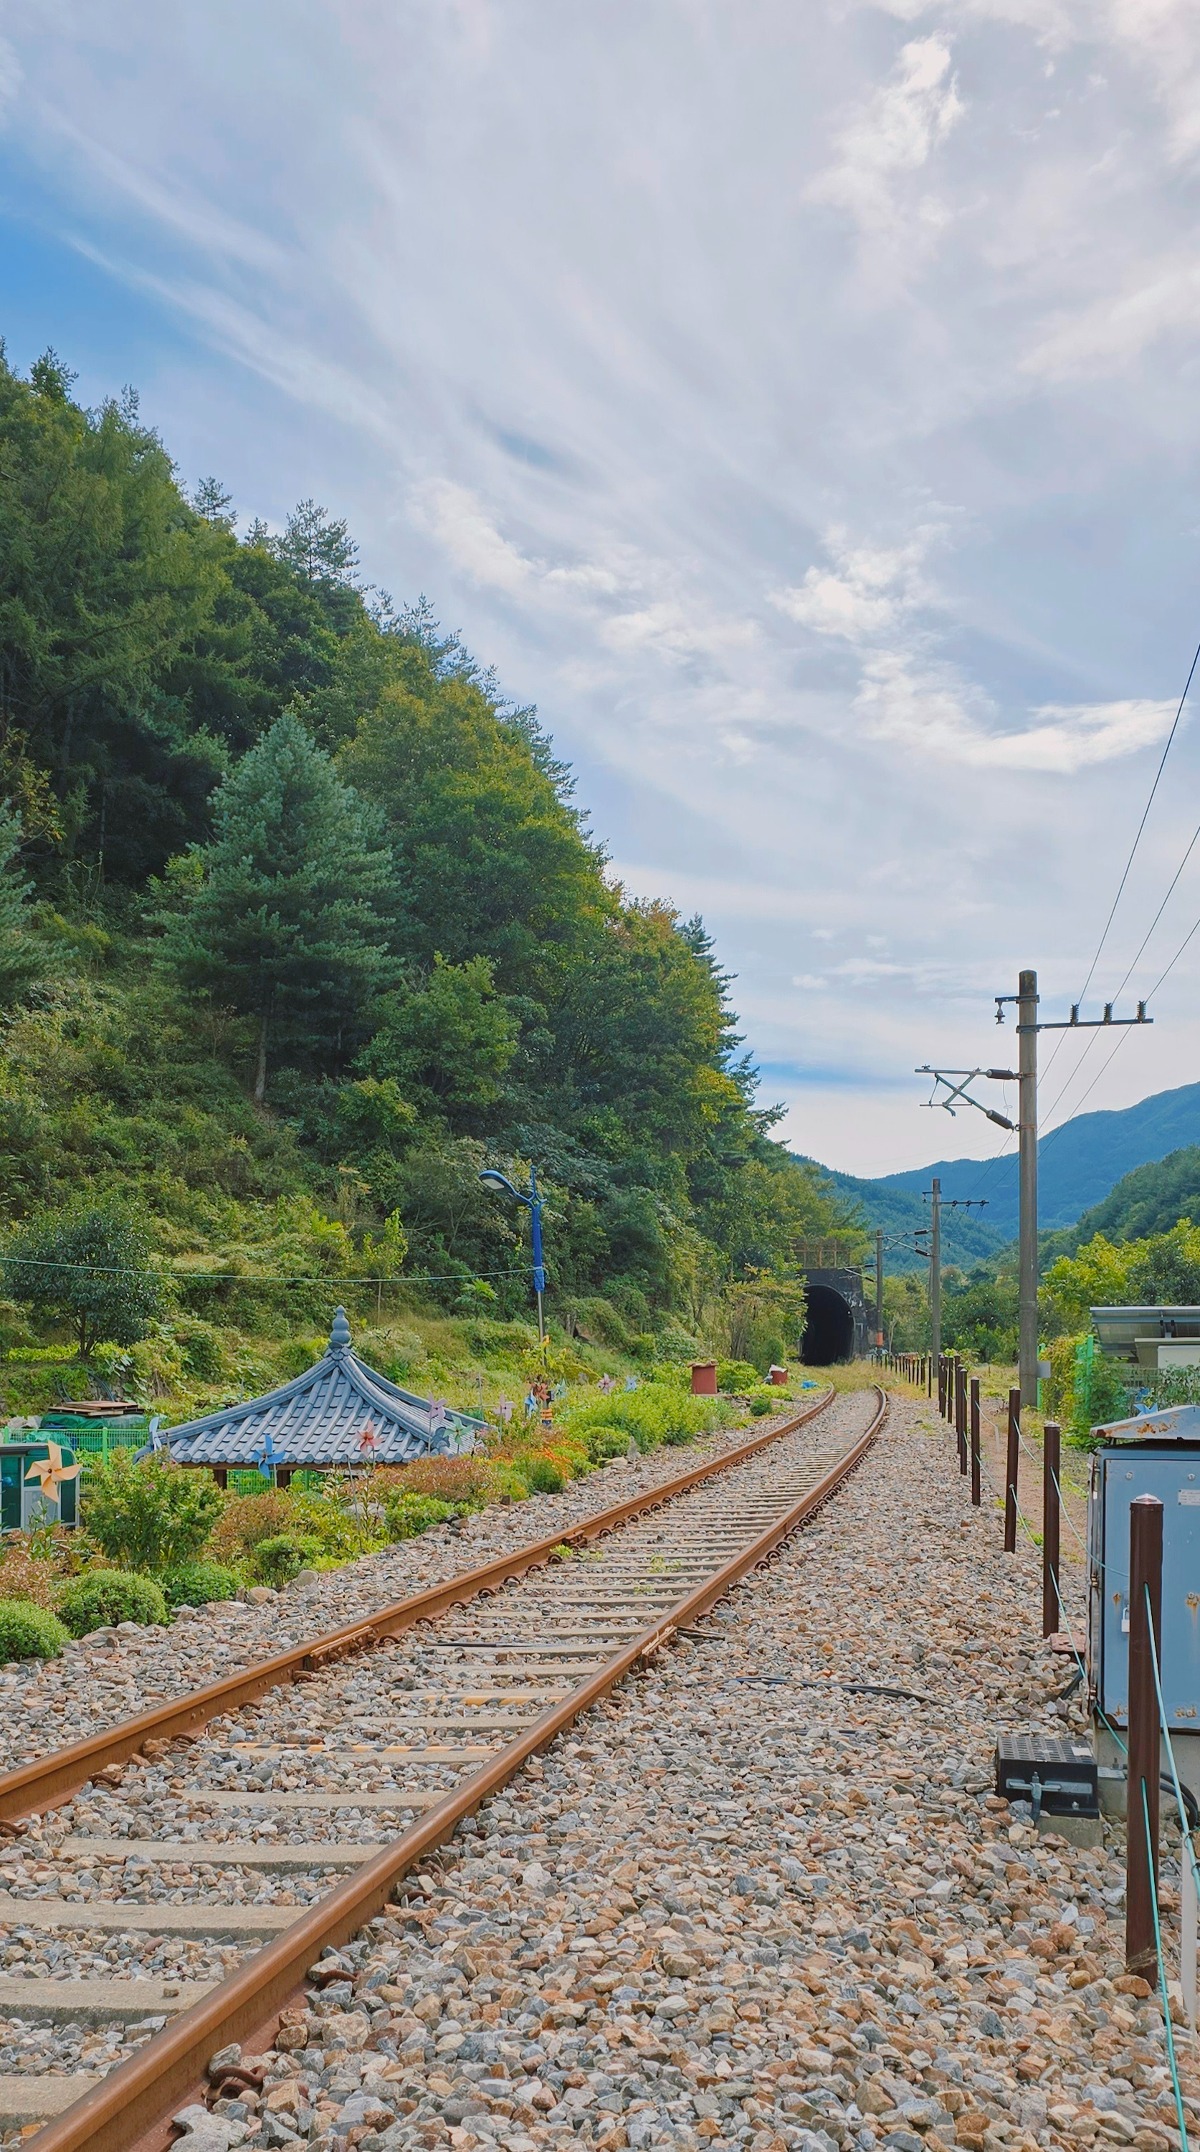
column 130, row 2106
column 52, row 1779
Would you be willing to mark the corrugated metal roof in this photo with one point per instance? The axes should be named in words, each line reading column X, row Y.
column 338, row 1412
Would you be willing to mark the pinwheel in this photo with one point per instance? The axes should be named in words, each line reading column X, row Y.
column 51, row 1473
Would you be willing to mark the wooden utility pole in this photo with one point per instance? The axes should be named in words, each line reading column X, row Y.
column 879, row 1339
column 1141, row 1793
column 1051, row 1495
column 935, row 1271
column 1027, row 1249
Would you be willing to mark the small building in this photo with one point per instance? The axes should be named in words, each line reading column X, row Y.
column 340, row 1412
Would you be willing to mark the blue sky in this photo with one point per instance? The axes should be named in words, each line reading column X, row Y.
column 796, row 401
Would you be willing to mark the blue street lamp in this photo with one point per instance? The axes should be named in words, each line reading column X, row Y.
column 533, row 1205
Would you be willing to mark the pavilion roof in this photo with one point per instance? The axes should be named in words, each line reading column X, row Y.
column 339, row 1412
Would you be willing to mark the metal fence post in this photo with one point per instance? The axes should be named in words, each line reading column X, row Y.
column 1051, row 1521
column 976, row 1453
column 1012, row 1464
column 1141, row 1796
column 960, row 1412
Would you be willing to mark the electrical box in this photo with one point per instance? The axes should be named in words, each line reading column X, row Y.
column 1159, row 1455
column 1057, row 1778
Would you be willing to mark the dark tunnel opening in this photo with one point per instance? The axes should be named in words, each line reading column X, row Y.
column 828, row 1328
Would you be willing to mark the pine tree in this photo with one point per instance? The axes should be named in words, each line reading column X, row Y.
column 281, row 917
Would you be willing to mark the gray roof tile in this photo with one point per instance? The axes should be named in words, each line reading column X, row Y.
column 320, row 1418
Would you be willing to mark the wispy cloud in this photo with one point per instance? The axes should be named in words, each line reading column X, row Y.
column 790, row 400
column 890, row 137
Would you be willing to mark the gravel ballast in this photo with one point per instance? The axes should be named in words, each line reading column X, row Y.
column 749, row 1902
column 45, row 1705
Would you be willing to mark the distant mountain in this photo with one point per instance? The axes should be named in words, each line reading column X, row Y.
column 965, row 1238
column 1151, row 1199
column 1079, row 1166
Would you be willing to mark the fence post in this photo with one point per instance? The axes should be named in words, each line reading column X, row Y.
column 1051, row 1496
column 1012, row 1464
column 960, row 1412
column 1141, row 1794
column 976, row 1455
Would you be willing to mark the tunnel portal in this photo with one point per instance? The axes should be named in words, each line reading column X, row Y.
column 836, row 1322
column 828, row 1328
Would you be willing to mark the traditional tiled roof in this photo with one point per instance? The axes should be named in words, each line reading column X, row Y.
column 338, row 1412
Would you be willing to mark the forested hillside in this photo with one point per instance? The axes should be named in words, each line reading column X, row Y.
column 301, row 924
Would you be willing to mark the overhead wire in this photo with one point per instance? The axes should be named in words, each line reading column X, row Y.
column 1138, row 834
column 1133, row 850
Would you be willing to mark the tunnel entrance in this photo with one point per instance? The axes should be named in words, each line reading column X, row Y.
column 828, row 1328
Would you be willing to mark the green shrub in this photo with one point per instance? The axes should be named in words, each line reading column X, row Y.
column 336, row 1517
column 762, row 1402
column 29, row 1632
column 737, row 1377
column 149, row 1514
column 509, row 1483
column 105, row 1597
column 200, row 1347
column 276, row 1561
column 193, row 1584
column 654, row 1413
column 248, row 1518
column 408, row 1515
column 605, row 1442
column 544, row 1476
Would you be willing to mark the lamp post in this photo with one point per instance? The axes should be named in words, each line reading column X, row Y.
column 533, row 1205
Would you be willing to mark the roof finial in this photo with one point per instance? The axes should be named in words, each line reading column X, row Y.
column 339, row 1336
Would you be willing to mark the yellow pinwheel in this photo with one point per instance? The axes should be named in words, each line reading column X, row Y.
column 50, row 1472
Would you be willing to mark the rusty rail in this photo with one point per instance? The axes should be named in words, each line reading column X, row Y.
column 53, row 1779
column 127, row 2111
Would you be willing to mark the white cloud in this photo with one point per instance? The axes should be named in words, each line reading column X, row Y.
column 10, row 77
column 891, row 136
column 1114, row 331
column 934, row 713
column 865, row 594
column 462, row 526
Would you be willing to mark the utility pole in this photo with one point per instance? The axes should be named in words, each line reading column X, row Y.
column 1026, row 998
column 879, row 1288
column 935, row 1272
column 1027, row 1246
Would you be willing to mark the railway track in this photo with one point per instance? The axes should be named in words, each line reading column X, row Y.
column 163, row 1908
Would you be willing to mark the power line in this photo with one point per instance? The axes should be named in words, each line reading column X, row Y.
column 1125, row 877
column 1141, row 825
column 251, row 1277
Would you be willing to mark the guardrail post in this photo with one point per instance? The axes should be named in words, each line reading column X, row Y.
column 1011, row 1467
column 976, row 1452
column 960, row 1412
column 1051, row 1521
column 1141, row 1793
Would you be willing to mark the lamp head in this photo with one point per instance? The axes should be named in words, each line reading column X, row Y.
column 493, row 1179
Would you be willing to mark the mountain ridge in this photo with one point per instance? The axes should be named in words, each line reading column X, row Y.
column 1079, row 1164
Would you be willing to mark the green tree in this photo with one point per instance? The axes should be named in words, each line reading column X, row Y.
column 107, row 576
column 490, row 860
column 24, row 957
column 448, row 1041
column 88, row 1265
column 281, row 916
